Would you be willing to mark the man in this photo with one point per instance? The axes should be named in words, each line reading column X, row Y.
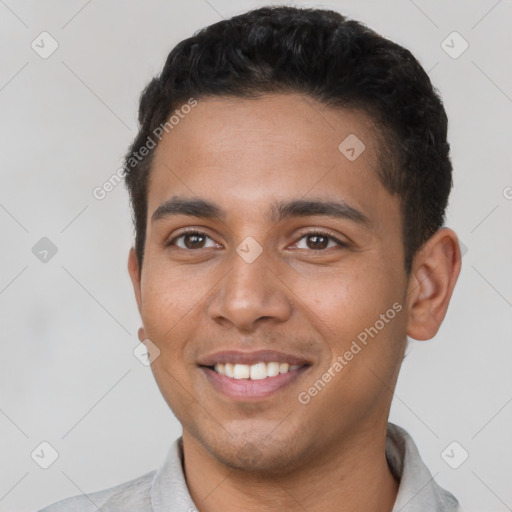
column 288, row 183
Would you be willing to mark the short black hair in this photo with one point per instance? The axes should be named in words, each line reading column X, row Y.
column 329, row 58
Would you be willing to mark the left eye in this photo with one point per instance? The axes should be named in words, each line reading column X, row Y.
column 318, row 241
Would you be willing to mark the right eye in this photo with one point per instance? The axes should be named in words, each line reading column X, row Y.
column 191, row 240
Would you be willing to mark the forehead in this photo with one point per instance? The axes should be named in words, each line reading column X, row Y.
column 243, row 152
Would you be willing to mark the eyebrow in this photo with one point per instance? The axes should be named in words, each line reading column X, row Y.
column 279, row 210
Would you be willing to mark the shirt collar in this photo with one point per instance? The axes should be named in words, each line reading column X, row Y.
column 169, row 490
column 418, row 491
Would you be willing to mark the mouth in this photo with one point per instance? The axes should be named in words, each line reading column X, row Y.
column 252, row 376
column 258, row 371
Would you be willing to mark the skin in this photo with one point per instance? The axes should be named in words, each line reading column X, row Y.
column 277, row 453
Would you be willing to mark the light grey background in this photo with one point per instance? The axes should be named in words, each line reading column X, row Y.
column 68, row 375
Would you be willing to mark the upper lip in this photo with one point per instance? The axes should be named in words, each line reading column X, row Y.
column 253, row 357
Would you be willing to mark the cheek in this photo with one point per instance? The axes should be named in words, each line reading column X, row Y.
column 168, row 297
column 166, row 315
column 347, row 300
column 176, row 390
column 362, row 318
column 360, row 376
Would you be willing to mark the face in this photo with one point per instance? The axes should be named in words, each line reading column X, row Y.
column 283, row 311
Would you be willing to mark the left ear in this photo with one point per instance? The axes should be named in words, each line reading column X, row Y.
column 436, row 268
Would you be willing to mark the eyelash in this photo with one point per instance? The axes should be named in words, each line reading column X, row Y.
column 303, row 235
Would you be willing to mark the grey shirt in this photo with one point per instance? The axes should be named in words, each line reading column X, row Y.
column 165, row 489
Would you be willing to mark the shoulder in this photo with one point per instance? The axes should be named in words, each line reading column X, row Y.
column 133, row 495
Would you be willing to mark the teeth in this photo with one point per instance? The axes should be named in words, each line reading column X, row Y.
column 272, row 369
column 241, row 371
column 228, row 370
column 256, row 371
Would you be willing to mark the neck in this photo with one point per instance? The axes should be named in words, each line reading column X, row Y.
column 355, row 476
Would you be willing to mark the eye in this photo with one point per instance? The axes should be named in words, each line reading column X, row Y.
column 315, row 240
column 319, row 240
column 191, row 240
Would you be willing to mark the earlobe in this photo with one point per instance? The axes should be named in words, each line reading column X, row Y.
column 142, row 334
column 435, row 272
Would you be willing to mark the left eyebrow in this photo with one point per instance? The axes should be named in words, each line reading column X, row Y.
column 280, row 210
column 303, row 208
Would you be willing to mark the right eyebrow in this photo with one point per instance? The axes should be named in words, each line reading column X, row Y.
column 192, row 207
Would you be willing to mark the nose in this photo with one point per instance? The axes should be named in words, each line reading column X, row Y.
column 249, row 294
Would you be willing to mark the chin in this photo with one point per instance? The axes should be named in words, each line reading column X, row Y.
column 269, row 457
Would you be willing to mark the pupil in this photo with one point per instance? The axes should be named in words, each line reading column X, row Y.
column 317, row 245
column 194, row 239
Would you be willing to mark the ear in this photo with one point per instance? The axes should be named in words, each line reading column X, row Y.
column 435, row 271
column 134, row 271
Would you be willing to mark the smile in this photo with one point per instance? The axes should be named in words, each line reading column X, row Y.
column 252, row 376
column 256, row 371
column 248, row 383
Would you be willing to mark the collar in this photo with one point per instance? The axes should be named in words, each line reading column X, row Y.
column 418, row 491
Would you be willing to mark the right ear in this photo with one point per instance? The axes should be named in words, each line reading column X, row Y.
column 134, row 271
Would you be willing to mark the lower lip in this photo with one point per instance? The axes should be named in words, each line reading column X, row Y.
column 247, row 389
